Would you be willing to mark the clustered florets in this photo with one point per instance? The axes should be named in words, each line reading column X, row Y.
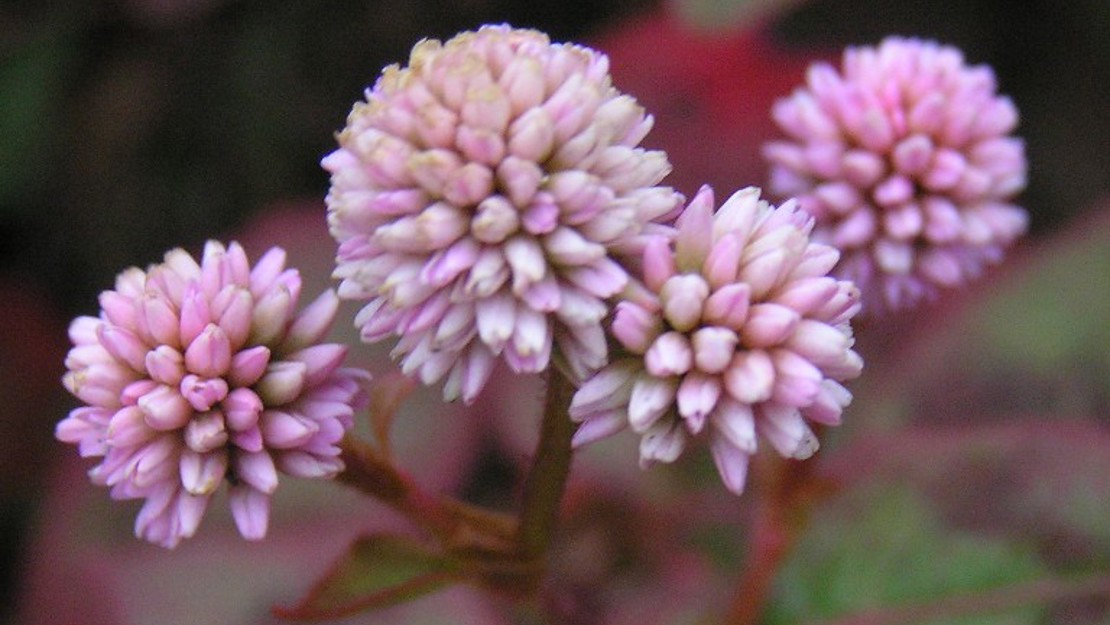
column 491, row 202
column 739, row 328
column 197, row 374
column 904, row 158
column 478, row 196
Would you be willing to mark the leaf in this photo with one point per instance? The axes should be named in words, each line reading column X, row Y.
column 1044, row 480
column 1055, row 311
column 378, row 571
column 883, row 547
column 1029, row 338
column 709, row 88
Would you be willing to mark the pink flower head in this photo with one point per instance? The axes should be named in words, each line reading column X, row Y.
column 476, row 197
column 904, row 159
column 196, row 374
column 739, row 328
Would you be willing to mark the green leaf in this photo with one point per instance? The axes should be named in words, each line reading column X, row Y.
column 378, row 571
column 1046, row 478
column 1054, row 313
column 1029, row 338
column 881, row 548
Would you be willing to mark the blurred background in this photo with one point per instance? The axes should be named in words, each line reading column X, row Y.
column 128, row 127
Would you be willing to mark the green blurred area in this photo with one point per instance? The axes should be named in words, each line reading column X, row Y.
column 885, row 546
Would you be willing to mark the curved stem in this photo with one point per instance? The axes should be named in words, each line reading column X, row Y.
column 547, row 478
column 457, row 525
column 369, row 473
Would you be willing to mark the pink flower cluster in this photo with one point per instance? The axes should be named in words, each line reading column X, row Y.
column 478, row 196
column 197, row 374
column 904, row 158
column 737, row 330
column 491, row 202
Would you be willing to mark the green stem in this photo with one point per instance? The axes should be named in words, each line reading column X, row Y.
column 546, row 481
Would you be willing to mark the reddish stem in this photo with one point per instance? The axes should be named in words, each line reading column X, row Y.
column 369, row 473
column 509, row 552
column 786, row 491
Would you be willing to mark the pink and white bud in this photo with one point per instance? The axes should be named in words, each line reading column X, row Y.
column 683, row 299
column 670, row 354
column 713, row 348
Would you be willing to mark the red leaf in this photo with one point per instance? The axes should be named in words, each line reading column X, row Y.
column 710, row 93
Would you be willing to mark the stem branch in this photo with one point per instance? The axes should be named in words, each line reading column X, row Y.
column 369, row 473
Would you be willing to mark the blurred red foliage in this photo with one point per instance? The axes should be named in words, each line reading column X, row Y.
column 710, row 92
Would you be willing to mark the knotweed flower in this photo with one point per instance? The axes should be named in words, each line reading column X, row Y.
column 904, row 158
column 196, row 374
column 477, row 197
column 739, row 330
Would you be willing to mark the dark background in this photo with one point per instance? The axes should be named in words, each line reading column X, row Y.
column 133, row 126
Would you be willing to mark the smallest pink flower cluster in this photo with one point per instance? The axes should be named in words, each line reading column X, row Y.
column 199, row 373
column 739, row 329
column 905, row 159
